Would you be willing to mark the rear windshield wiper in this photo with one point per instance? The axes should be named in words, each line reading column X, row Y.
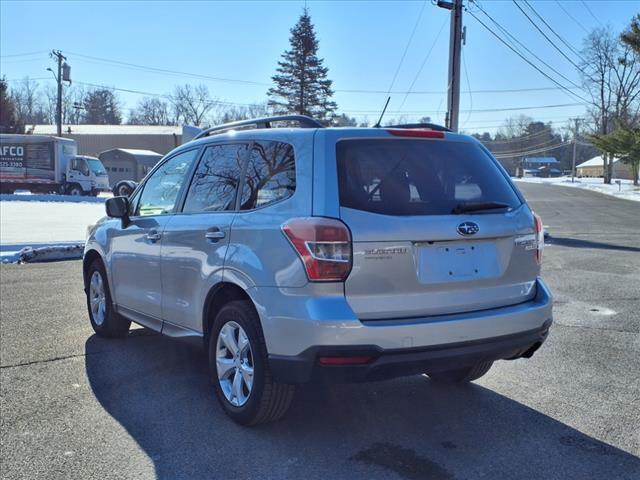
column 478, row 207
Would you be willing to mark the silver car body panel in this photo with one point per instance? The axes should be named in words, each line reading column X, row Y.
column 390, row 303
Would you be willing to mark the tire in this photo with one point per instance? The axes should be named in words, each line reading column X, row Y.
column 75, row 190
column 122, row 190
column 263, row 401
column 461, row 375
column 105, row 321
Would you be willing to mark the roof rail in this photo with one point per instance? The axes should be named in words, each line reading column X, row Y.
column 431, row 126
column 303, row 120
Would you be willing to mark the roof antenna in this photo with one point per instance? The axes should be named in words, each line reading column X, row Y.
column 377, row 125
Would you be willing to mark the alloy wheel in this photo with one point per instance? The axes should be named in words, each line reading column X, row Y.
column 234, row 363
column 97, row 298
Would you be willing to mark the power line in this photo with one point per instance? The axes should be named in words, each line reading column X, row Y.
column 251, row 82
column 572, row 17
column 170, row 72
column 591, row 13
column 406, row 48
column 524, row 137
column 364, row 91
column 529, row 152
column 159, row 95
column 441, row 92
column 551, row 42
column 424, row 61
column 514, row 39
column 23, row 54
column 466, row 74
column 506, row 109
column 526, row 59
column 544, row 144
column 567, row 44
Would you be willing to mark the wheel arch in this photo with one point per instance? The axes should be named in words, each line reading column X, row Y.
column 89, row 257
column 218, row 296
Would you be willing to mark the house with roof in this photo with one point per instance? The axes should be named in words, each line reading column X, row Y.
column 541, row 166
column 595, row 168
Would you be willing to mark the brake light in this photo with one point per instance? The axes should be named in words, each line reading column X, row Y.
column 415, row 132
column 539, row 229
column 324, row 246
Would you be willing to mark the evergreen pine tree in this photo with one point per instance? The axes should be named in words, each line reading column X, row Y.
column 301, row 83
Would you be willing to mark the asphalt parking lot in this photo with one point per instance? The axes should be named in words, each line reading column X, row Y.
column 77, row 406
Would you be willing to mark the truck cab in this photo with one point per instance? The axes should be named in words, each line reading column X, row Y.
column 86, row 175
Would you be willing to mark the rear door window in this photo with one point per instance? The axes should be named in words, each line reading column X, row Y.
column 271, row 174
column 216, row 179
column 419, row 177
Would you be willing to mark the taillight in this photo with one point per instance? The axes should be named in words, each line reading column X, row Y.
column 539, row 229
column 415, row 132
column 324, row 246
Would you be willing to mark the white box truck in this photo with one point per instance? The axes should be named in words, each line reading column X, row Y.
column 46, row 164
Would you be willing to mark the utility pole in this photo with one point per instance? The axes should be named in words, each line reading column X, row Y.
column 64, row 74
column 575, row 147
column 455, row 50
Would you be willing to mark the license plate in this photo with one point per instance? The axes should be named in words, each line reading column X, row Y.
column 455, row 261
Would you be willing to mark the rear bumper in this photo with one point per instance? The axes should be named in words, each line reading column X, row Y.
column 395, row 363
column 399, row 346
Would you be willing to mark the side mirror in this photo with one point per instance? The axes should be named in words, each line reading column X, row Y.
column 117, row 207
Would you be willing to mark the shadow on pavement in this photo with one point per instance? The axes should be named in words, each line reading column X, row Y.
column 579, row 243
column 158, row 390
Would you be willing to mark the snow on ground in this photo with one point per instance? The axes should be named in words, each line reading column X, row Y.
column 626, row 189
column 27, row 222
column 26, row 196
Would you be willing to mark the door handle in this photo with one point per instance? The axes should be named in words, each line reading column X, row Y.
column 153, row 236
column 214, row 235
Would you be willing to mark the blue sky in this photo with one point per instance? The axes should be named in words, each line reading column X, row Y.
column 361, row 42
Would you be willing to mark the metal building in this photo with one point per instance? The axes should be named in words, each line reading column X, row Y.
column 128, row 163
column 93, row 139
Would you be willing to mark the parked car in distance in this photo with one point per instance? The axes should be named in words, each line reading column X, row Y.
column 324, row 254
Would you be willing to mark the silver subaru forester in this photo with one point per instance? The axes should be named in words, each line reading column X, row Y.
column 323, row 254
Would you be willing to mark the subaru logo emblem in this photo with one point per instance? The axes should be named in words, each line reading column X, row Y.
column 468, row 228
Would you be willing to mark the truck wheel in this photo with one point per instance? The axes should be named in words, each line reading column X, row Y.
column 461, row 375
column 123, row 190
column 239, row 368
column 105, row 321
column 75, row 190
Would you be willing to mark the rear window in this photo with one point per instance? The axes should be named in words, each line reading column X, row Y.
column 419, row 177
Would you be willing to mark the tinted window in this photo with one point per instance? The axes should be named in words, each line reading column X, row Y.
column 271, row 174
column 161, row 189
column 215, row 181
column 418, row 177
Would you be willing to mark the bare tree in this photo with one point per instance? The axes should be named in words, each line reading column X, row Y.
column 72, row 101
column 611, row 75
column 515, row 126
column 233, row 113
column 28, row 103
column 150, row 111
column 191, row 104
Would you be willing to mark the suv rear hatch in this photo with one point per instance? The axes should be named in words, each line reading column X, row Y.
column 437, row 227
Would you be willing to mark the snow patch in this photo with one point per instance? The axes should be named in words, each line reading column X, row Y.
column 47, row 223
column 626, row 190
column 50, row 197
column 48, row 253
